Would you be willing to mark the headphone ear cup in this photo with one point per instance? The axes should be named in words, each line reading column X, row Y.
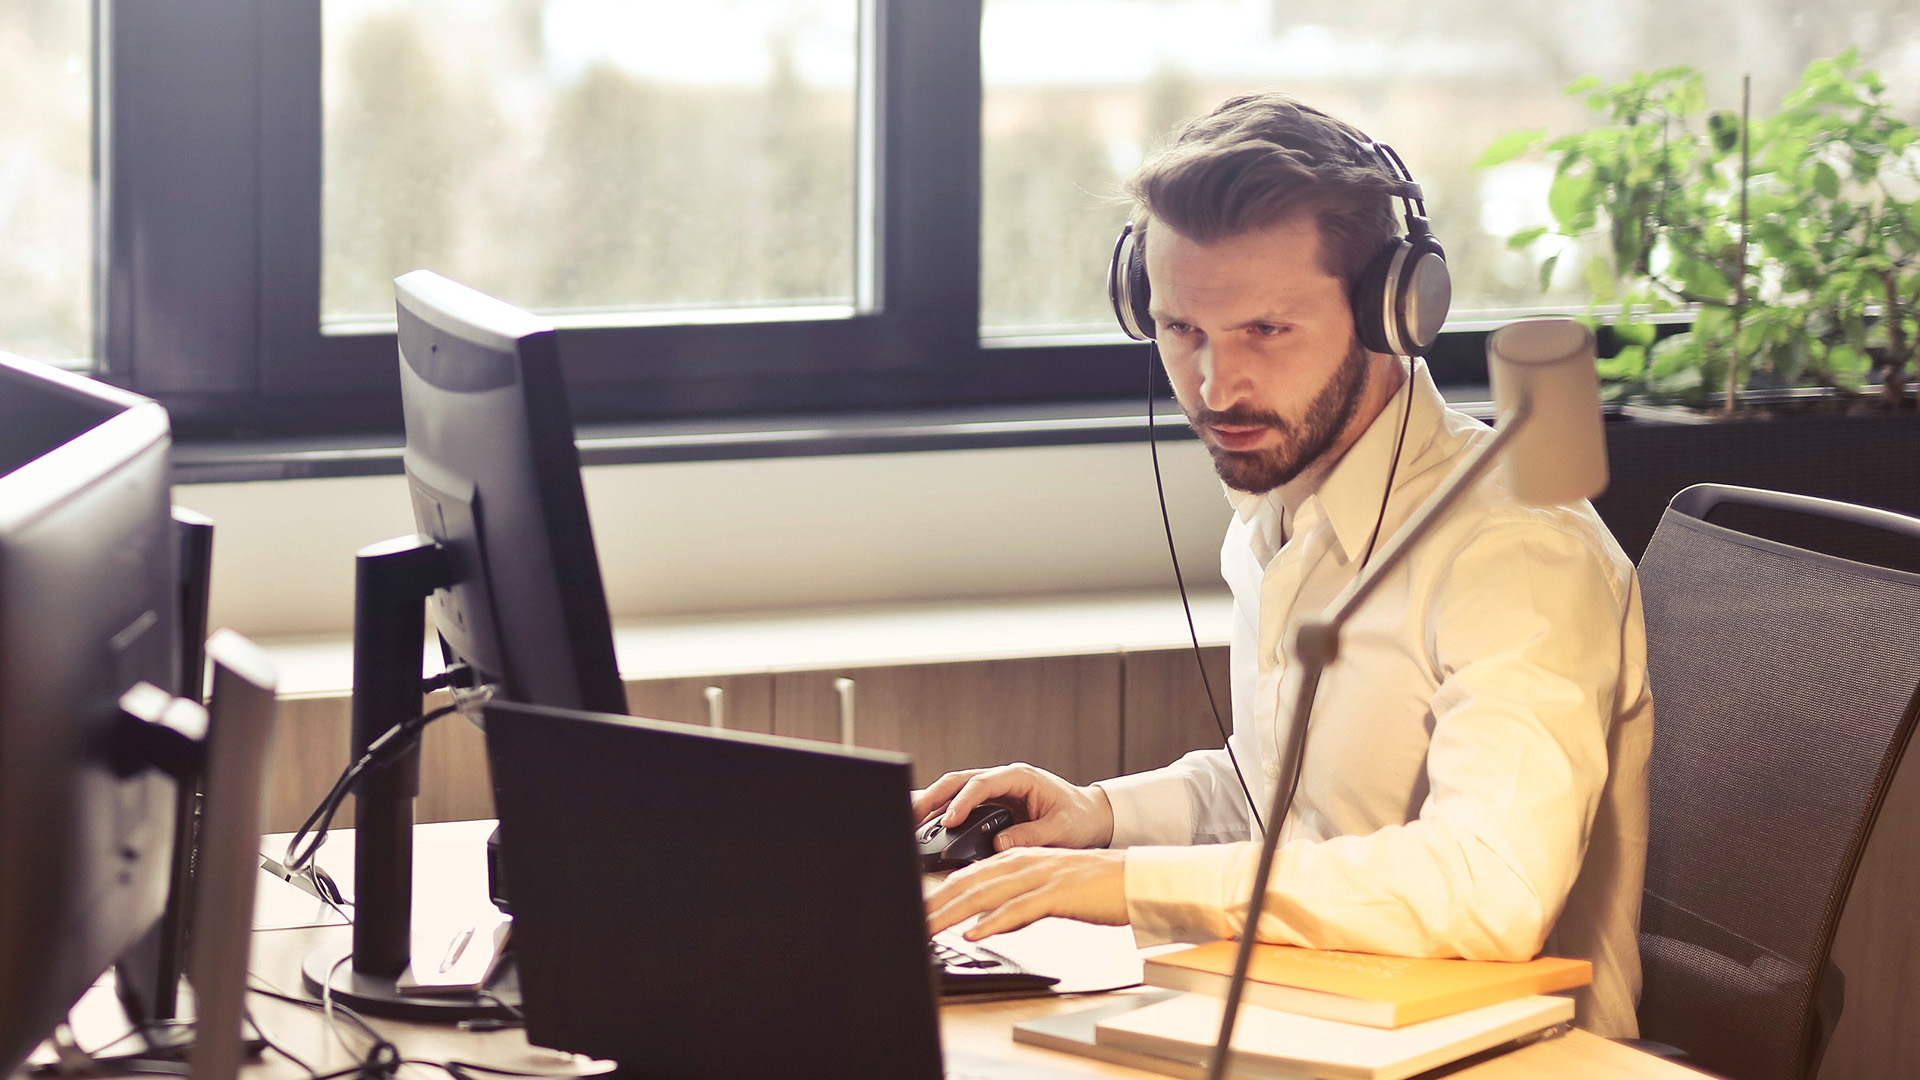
column 1127, row 286
column 1401, row 299
column 1372, row 295
column 1423, row 293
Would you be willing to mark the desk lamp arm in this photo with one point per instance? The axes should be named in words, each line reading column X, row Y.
column 1316, row 645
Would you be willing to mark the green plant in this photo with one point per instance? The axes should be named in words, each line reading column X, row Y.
column 1850, row 242
column 1794, row 240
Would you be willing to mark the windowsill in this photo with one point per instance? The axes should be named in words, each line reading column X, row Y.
column 229, row 461
column 846, row 637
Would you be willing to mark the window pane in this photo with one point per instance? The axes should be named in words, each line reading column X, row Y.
column 590, row 156
column 46, row 186
column 1077, row 90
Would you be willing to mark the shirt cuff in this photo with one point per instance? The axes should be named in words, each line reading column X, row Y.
column 1178, row 894
column 1148, row 809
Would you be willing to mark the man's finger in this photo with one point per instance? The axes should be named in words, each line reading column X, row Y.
column 981, row 887
column 1023, row 909
column 983, row 785
column 1044, row 832
column 937, row 794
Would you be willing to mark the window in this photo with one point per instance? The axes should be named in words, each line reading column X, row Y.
column 595, row 159
column 1077, row 91
column 46, row 182
column 756, row 207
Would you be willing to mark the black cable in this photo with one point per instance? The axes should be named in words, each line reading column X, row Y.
column 393, row 742
column 383, row 1056
column 1199, row 659
column 1393, row 469
column 267, row 1040
column 157, row 1058
column 504, row 1004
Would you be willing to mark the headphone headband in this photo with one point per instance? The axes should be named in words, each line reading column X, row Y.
column 1400, row 299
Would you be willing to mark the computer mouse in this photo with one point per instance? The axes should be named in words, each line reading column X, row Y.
column 942, row 848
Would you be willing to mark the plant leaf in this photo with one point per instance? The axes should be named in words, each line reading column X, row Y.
column 1568, row 196
column 1510, row 146
column 1629, row 364
column 1525, row 237
column 1681, row 352
column 1825, row 180
column 1547, row 266
column 1635, row 333
column 1599, row 279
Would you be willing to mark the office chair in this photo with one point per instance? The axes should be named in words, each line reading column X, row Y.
column 1784, row 688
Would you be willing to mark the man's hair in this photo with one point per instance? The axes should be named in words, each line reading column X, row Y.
column 1259, row 159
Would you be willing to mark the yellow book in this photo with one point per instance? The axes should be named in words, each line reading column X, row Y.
column 1362, row 988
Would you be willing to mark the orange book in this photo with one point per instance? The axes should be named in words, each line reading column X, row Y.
column 1362, row 988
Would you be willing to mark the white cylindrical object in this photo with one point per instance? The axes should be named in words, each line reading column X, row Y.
column 844, row 687
column 716, row 707
column 1560, row 454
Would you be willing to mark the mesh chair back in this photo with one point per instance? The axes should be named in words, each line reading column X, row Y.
column 1784, row 693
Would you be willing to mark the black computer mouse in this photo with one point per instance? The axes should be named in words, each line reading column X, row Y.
column 942, row 848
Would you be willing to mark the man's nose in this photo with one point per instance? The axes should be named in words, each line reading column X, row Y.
column 1225, row 377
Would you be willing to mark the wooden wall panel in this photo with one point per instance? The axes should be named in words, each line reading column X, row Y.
column 1164, row 710
column 746, row 700
column 1060, row 713
column 310, row 749
column 454, row 782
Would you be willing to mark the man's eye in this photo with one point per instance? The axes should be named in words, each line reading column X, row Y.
column 1269, row 329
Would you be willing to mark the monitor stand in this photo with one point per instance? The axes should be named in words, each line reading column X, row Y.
column 147, row 978
column 330, row 971
column 392, row 581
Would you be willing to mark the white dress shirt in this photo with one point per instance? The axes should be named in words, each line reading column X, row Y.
column 1476, row 770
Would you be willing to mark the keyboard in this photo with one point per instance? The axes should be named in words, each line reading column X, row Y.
column 967, row 968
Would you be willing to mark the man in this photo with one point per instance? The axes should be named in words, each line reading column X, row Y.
column 1475, row 776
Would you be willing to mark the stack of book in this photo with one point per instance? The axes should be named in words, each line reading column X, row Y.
column 1319, row 1013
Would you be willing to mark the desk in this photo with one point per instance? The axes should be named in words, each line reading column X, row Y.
column 982, row 1031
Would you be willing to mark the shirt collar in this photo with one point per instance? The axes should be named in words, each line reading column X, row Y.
column 1349, row 493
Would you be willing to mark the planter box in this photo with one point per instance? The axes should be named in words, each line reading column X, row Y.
column 1872, row 460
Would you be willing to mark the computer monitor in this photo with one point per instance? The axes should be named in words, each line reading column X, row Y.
column 505, row 560
column 495, row 480
column 88, row 596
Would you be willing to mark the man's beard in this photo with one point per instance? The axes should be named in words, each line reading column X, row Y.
column 1301, row 443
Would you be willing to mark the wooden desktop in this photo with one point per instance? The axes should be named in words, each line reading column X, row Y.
column 981, row 1031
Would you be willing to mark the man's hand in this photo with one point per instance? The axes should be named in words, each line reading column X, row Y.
column 1057, row 813
column 1014, row 888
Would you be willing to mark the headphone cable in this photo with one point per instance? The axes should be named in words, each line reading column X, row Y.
column 1166, row 522
column 1393, row 468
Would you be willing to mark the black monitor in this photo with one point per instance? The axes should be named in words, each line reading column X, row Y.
column 503, row 557
column 88, row 609
column 495, row 479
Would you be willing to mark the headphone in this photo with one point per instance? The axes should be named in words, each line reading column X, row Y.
column 1399, row 301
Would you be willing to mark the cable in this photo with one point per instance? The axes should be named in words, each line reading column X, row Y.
column 1393, row 469
column 380, row 1052
column 505, row 1005
column 383, row 1057
column 1173, row 553
column 268, row 1042
column 383, row 751
column 392, row 742
column 156, row 1058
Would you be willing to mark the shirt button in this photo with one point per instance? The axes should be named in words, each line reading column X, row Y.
column 1273, row 770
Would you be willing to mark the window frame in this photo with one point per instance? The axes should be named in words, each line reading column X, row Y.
column 211, row 144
